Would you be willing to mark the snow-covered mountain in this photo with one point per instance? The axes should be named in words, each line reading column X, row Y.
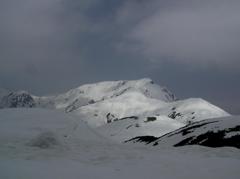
column 102, row 91
column 217, row 132
column 121, row 110
column 73, row 135
column 17, row 100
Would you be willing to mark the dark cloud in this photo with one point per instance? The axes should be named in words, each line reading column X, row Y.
column 50, row 46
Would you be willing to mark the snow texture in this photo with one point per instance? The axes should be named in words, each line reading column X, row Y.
column 39, row 143
column 218, row 132
column 120, row 110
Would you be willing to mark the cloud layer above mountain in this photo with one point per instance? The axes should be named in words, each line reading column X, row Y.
column 193, row 32
column 51, row 45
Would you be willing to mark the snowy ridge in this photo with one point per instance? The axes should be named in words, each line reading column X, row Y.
column 92, row 93
column 164, row 118
column 217, row 132
column 120, row 110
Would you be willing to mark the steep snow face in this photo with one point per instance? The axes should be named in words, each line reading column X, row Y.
column 109, row 89
column 218, row 132
column 92, row 93
column 17, row 99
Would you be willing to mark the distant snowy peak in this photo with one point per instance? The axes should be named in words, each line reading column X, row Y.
column 110, row 89
column 88, row 94
column 102, row 91
column 17, row 99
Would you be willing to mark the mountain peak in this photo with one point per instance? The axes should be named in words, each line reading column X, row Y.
column 138, row 104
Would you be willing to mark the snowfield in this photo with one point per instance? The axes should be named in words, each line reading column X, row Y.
column 40, row 143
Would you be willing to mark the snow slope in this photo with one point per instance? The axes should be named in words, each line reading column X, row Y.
column 111, row 106
column 97, row 92
column 38, row 143
column 217, row 132
column 128, row 128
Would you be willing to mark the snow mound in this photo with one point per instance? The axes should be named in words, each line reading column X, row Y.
column 218, row 132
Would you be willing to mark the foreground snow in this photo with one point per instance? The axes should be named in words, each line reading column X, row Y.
column 37, row 143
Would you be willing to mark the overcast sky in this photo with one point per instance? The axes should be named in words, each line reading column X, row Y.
column 190, row 46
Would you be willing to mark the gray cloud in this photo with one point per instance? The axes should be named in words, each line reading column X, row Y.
column 49, row 46
column 193, row 32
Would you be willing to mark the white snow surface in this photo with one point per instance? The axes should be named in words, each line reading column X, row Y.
column 129, row 128
column 92, row 93
column 102, row 104
column 39, row 143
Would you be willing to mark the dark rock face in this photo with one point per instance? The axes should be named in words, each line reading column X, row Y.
column 214, row 139
column 150, row 119
column 143, row 139
column 18, row 99
column 174, row 115
column 110, row 117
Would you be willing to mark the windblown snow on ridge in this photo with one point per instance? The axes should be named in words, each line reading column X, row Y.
column 122, row 109
column 217, row 132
